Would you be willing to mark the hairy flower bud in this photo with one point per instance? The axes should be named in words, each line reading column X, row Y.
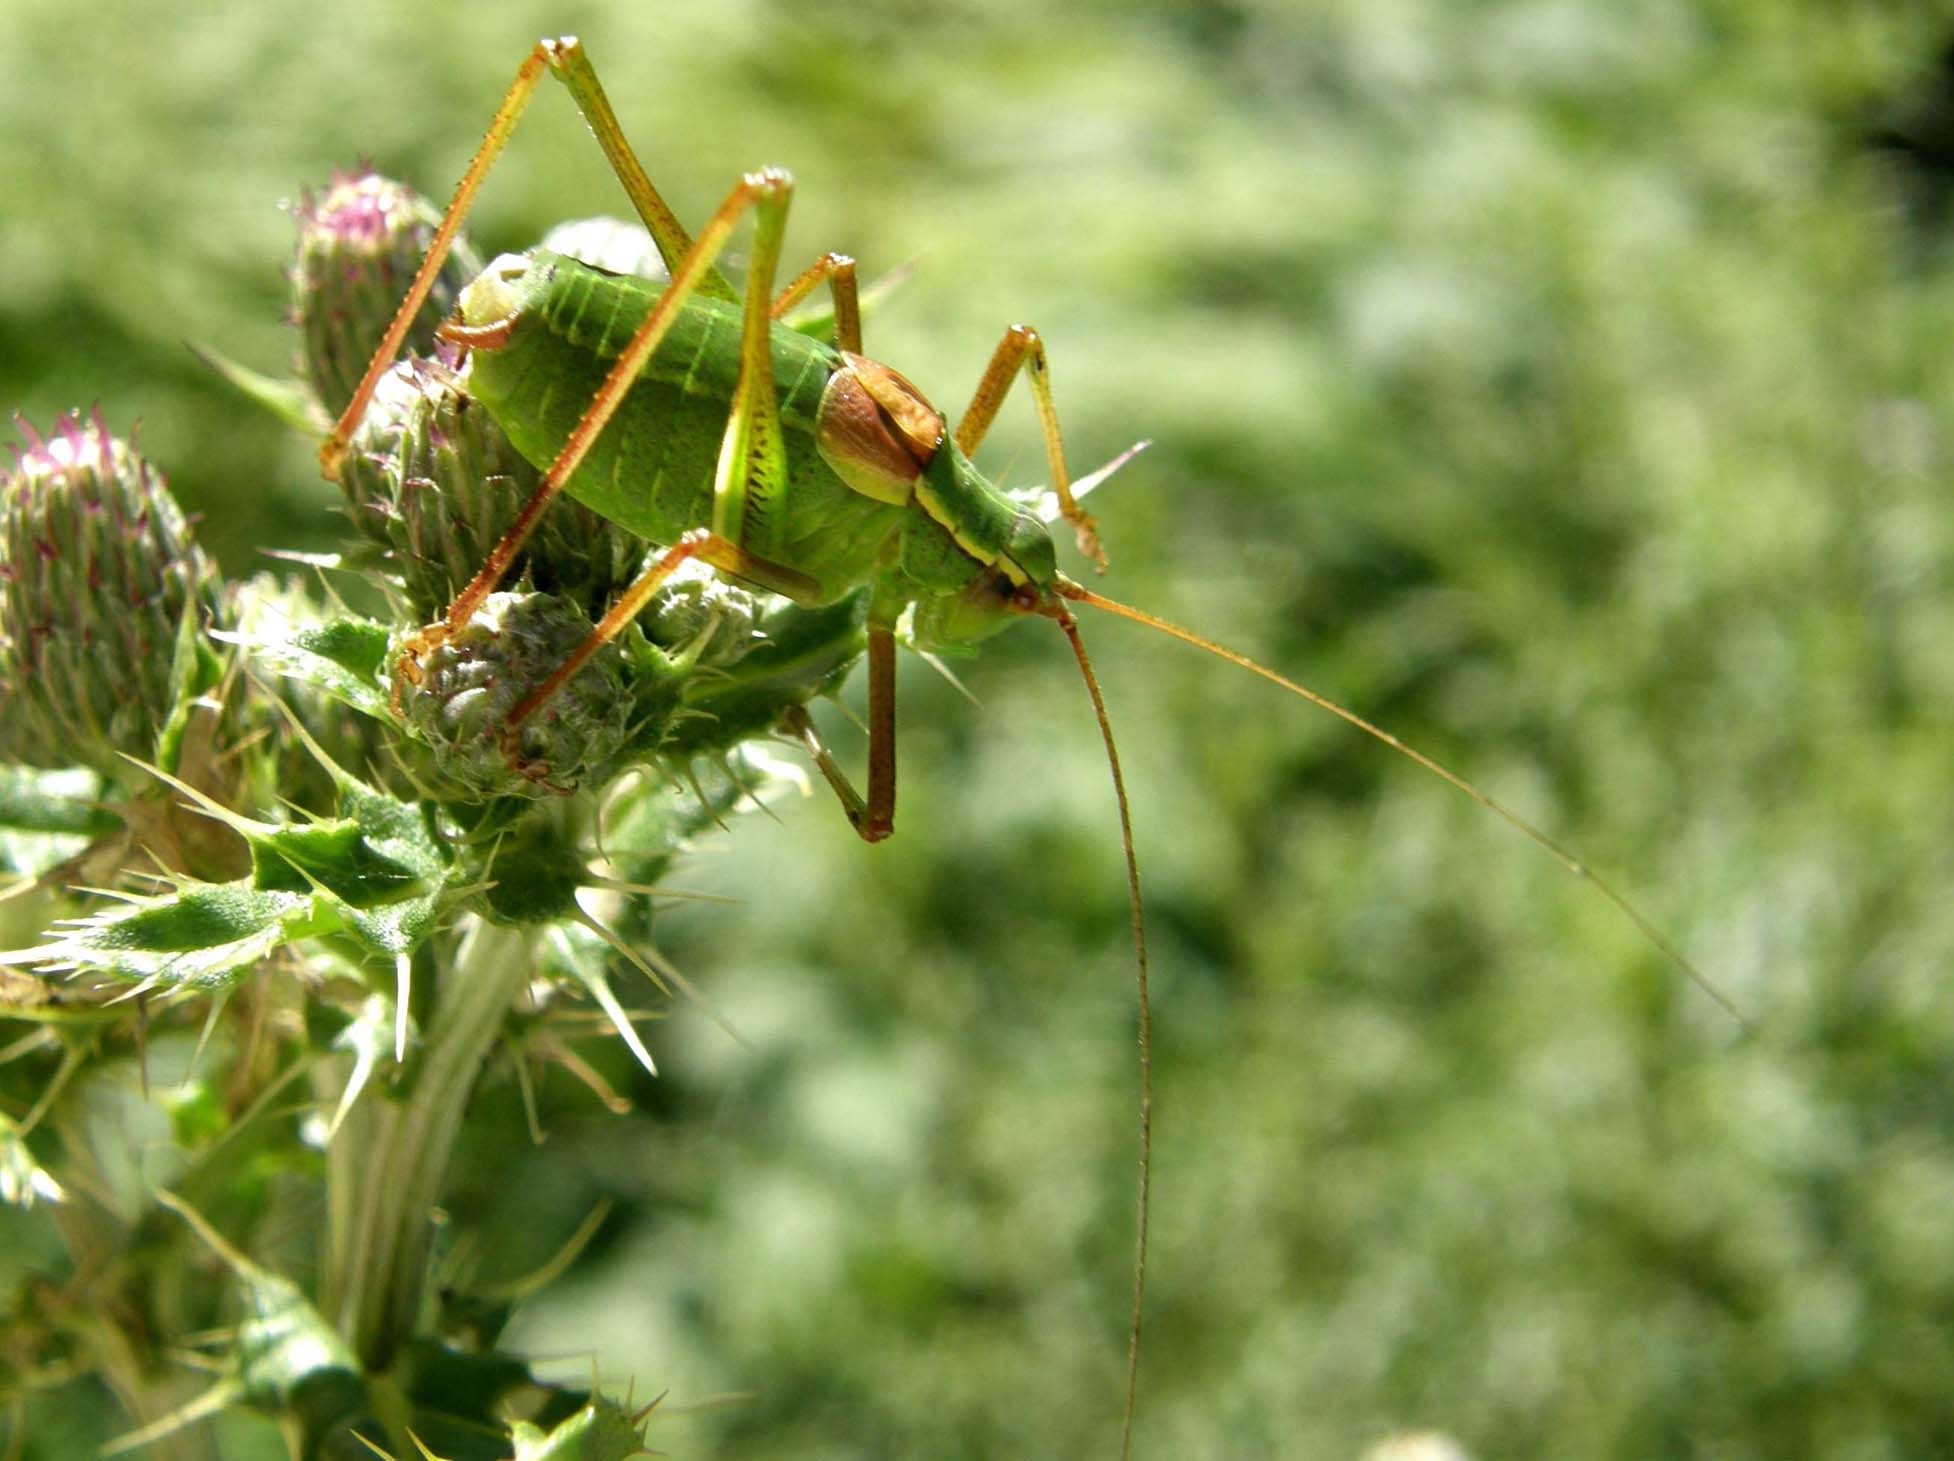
column 432, row 479
column 359, row 243
column 615, row 245
column 699, row 618
column 98, row 572
column 470, row 685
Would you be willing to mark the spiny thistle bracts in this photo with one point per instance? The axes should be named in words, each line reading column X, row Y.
column 359, row 243
column 470, row 684
column 433, row 481
column 98, row 574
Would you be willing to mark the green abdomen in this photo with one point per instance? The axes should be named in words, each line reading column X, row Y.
column 651, row 470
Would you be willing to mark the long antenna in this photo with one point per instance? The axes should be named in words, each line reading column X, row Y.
column 1070, row 625
column 1066, row 588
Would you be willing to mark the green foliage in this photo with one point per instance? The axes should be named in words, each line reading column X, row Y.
column 601, row 1431
column 192, row 941
column 46, row 817
column 535, row 872
column 395, row 943
column 343, row 659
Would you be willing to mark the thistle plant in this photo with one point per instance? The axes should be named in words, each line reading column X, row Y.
column 289, row 917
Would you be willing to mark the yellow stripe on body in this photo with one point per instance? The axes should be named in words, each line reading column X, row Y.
column 933, row 505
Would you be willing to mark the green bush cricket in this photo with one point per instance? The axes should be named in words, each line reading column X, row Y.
column 690, row 416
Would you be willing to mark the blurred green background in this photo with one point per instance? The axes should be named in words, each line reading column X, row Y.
column 1560, row 382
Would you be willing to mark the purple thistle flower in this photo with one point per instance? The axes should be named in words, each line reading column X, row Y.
column 360, row 241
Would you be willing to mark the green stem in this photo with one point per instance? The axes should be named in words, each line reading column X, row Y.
column 391, row 1157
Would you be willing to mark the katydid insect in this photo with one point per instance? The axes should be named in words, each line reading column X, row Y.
column 686, row 413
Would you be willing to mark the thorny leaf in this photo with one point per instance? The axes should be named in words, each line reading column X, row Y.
column 367, row 1036
column 377, row 873
column 342, row 658
column 602, row 1431
column 289, row 401
column 286, row 1359
column 200, row 937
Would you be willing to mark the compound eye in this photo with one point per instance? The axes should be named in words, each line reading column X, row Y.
column 1024, row 597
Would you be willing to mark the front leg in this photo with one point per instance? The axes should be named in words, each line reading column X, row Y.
column 1022, row 349
column 875, row 818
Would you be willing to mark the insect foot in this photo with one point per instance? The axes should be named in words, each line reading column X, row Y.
column 459, row 699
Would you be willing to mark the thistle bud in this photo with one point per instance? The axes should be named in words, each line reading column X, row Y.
column 698, row 618
column 359, row 243
column 432, row 479
column 470, row 684
column 615, row 245
column 98, row 572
